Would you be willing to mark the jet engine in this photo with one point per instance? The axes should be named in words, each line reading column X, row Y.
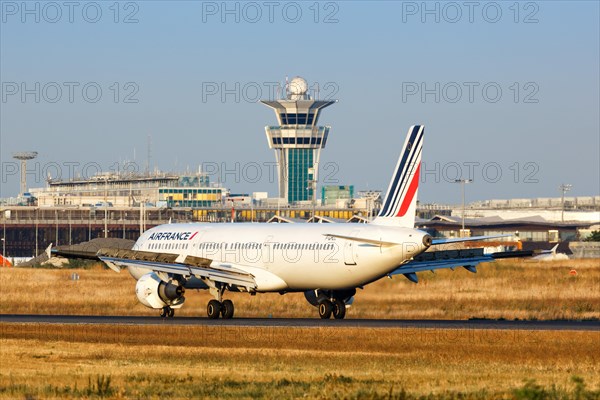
column 153, row 292
column 314, row 297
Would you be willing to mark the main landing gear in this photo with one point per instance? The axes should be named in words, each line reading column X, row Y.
column 215, row 309
column 167, row 312
column 218, row 307
column 327, row 308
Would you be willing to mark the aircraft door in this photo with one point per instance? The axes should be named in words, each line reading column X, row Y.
column 268, row 252
column 350, row 250
column 195, row 247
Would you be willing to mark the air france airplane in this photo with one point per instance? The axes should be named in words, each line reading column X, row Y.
column 327, row 262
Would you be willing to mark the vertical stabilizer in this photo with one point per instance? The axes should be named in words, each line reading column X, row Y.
column 400, row 204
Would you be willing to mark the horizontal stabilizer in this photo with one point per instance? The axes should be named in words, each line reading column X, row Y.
column 438, row 241
column 364, row 240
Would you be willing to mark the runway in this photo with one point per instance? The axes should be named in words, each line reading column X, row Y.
column 306, row 322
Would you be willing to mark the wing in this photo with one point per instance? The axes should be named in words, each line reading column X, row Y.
column 468, row 259
column 187, row 266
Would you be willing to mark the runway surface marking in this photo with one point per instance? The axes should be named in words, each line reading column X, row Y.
column 305, row 322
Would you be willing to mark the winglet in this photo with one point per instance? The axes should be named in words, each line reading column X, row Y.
column 48, row 251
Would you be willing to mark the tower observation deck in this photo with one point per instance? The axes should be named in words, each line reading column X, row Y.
column 297, row 140
column 24, row 156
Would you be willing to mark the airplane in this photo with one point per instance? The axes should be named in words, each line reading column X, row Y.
column 5, row 262
column 327, row 262
column 550, row 255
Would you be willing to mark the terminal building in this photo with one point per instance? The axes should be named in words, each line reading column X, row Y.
column 131, row 190
column 337, row 195
column 297, row 141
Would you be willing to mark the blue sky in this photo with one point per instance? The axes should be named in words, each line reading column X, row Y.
column 509, row 92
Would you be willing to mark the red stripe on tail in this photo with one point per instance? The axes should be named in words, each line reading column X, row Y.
column 412, row 189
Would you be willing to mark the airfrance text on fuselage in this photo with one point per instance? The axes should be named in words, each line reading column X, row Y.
column 172, row 236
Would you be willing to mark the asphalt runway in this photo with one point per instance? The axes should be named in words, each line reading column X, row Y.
column 305, row 322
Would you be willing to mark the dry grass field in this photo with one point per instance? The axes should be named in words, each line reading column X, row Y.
column 506, row 289
column 64, row 361
column 39, row 361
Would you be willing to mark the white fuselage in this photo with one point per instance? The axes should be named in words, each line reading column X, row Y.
column 291, row 257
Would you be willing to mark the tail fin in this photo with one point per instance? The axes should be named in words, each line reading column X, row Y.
column 400, row 204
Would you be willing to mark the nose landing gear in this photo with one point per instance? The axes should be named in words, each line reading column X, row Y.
column 167, row 312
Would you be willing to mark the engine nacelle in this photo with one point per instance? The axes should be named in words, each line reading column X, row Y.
column 153, row 292
column 314, row 297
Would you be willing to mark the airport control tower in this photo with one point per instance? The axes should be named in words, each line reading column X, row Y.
column 297, row 140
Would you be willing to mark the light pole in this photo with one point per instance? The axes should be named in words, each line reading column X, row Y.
column 37, row 222
column 106, row 209
column 463, row 182
column 3, row 234
column 564, row 188
column 278, row 207
column 312, row 202
column 313, row 186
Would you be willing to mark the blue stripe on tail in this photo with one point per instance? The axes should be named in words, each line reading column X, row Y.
column 400, row 176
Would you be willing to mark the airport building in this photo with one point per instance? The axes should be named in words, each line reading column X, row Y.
column 130, row 190
column 297, row 141
column 337, row 195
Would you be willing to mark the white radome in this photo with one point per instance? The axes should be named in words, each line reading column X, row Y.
column 298, row 85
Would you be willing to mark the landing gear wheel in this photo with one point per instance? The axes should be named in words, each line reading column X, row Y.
column 227, row 309
column 166, row 311
column 339, row 309
column 213, row 309
column 325, row 309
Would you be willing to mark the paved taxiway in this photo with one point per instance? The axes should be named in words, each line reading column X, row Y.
column 305, row 322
